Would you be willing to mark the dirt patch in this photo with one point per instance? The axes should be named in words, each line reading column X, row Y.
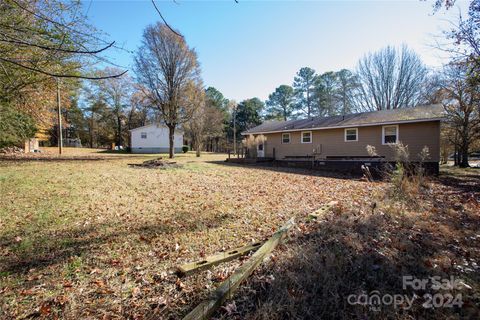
column 158, row 163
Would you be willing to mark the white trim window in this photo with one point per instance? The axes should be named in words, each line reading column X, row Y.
column 143, row 135
column 306, row 137
column 351, row 134
column 390, row 134
column 285, row 138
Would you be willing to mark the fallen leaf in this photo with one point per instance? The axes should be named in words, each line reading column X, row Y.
column 230, row 308
column 45, row 309
column 180, row 284
column 136, row 291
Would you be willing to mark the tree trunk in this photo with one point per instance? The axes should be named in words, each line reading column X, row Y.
column 198, row 146
column 171, row 135
column 464, row 156
column 119, row 131
column 91, row 133
column 308, row 104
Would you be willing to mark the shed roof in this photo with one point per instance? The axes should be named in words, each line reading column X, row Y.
column 415, row 114
column 158, row 125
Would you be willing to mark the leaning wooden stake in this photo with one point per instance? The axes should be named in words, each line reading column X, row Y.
column 208, row 262
column 205, row 309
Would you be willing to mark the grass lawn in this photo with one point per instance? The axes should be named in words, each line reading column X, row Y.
column 99, row 239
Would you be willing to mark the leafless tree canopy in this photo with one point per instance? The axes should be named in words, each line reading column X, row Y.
column 461, row 100
column 390, row 78
column 165, row 66
column 115, row 93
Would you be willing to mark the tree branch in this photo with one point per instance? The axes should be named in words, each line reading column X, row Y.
column 164, row 21
column 58, row 49
column 61, row 75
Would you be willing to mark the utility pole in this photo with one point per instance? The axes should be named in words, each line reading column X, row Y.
column 59, row 111
column 235, row 128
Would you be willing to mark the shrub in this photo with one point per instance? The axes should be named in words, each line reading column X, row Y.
column 372, row 151
column 15, row 126
column 185, row 149
column 251, row 145
column 407, row 179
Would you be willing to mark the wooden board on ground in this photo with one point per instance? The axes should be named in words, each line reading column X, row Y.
column 216, row 259
column 205, row 309
column 322, row 210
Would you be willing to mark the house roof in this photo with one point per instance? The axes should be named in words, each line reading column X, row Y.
column 404, row 115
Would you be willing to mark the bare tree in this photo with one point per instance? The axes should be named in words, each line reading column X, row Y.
column 116, row 93
column 140, row 109
column 461, row 103
column 196, row 127
column 432, row 89
column 390, row 79
column 165, row 65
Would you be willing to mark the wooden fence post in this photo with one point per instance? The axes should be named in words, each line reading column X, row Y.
column 205, row 309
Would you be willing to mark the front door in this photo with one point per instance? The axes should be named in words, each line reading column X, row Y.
column 260, row 150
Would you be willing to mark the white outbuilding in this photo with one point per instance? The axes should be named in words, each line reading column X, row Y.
column 153, row 138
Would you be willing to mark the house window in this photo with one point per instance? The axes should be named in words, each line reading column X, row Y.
column 389, row 134
column 351, row 134
column 143, row 135
column 306, row 136
column 285, row 137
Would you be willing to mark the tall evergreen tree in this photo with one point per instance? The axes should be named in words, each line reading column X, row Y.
column 304, row 85
column 248, row 115
column 216, row 99
column 280, row 103
column 217, row 118
column 347, row 91
column 325, row 94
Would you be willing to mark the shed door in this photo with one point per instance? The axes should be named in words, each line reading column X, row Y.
column 260, row 150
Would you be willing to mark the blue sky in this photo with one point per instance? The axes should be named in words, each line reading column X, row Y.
column 249, row 48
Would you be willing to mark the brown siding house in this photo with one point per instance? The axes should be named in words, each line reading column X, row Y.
column 345, row 138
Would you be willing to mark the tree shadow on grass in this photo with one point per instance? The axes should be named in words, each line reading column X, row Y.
column 466, row 182
column 49, row 248
column 366, row 256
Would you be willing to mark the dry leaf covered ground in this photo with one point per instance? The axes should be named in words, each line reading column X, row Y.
column 98, row 239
